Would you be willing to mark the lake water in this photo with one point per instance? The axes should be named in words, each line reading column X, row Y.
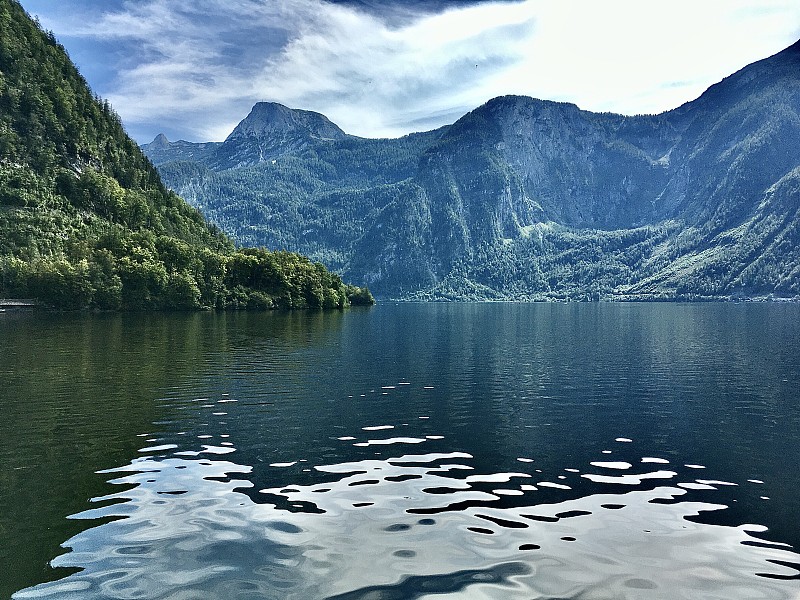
column 426, row 451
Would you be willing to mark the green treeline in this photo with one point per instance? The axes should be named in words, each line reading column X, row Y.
column 85, row 220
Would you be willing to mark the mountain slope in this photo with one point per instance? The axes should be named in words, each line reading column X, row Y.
column 85, row 220
column 527, row 199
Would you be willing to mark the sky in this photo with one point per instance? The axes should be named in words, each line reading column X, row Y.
column 192, row 69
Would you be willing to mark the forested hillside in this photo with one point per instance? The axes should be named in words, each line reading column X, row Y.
column 530, row 199
column 85, row 220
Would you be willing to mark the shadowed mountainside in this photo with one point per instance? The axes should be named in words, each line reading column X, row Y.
column 527, row 199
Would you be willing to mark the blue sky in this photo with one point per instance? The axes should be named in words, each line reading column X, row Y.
column 378, row 68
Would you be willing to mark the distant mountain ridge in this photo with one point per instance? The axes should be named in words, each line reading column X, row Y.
column 528, row 199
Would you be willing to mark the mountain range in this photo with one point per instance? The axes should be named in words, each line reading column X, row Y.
column 525, row 199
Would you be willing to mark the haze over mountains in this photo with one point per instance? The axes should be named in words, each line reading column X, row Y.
column 525, row 198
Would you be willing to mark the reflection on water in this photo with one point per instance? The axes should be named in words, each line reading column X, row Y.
column 477, row 451
column 415, row 526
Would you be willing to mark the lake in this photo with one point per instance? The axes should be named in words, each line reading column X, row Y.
column 503, row 451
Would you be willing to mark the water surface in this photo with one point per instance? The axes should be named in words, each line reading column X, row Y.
column 405, row 451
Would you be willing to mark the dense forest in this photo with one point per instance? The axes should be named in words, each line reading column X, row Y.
column 85, row 220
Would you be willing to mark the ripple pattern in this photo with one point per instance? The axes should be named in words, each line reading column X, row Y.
column 184, row 528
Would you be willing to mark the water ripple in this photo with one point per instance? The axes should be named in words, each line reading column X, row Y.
column 183, row 528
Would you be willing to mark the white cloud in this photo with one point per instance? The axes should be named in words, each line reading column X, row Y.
column 198, row 67
column 633, row 57
column 373, row 79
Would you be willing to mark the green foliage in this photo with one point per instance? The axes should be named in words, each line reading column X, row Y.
column 85, row 221
column 359, row 296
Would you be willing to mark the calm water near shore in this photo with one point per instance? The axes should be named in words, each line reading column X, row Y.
column 434, row 451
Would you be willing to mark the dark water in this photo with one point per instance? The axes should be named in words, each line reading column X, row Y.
column 407, row 451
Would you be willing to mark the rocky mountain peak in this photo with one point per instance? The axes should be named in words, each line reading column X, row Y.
column 270, row 120
column 160, row 141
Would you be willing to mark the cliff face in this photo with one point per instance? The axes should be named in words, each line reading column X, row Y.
column 576, row 168
column 524, row 198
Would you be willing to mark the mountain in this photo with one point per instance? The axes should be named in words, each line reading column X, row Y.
column 85, row 220
column 270, row 130
column 161, row 150
column 530, row 199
